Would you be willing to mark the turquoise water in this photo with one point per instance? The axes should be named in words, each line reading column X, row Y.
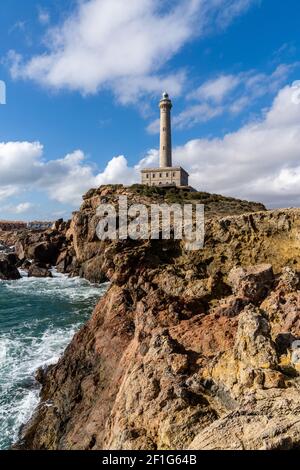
column 38, row 318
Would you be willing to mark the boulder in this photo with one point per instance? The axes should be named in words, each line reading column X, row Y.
column 252, row 283
column 25, row 264
column 254, row 345
column 253, row 363
column 20, row 250
column 231, row 306
column 289, row 280
column 269, row 423
column 44, row 252
column 92, row 271
column 8, row 269
column 37, row 270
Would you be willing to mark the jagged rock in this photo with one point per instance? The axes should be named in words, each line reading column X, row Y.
column 61, row 226
column 254, row 345
column 36, row 270
column 67, row 263
column 43, row 246
column 25, row 264
column 40, row 375
column 253, row 361
column 92, row 270
column 231, row 306
column 43, row 252
column 269, row 423
column 295, row 359
column 282, row 305
column 20, row 250
column 289, row 280
column 9, row 239
column 8, row 269
column 252, row 283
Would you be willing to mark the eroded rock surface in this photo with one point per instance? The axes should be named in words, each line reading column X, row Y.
column 186, row 349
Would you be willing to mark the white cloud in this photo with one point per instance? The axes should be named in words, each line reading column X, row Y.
column 216, row 89
column 23, row 207
column 225, row 13
column 43, row 16
column 197, row 113
column 23, row 168
column 128, row 91
column 123, row 45
column 229, row 94
column 150, row 160
column 154, row 126
column 116, row 170
column 7, row 191
column 19, row 162
column 260, row 161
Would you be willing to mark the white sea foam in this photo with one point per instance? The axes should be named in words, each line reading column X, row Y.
column 17, row 371
column 29, row 341
column 3, row 350
column 23, row 273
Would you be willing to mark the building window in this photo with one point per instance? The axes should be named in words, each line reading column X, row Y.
column 164, row 148
column 153, row 176
column 147, row 176
column 167, row 175
column 174, row 174
column 160, row 175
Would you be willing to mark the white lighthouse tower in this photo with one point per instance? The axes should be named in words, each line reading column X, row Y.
column 165, row 106
column 166, row 174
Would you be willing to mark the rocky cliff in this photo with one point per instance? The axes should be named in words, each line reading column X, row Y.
column 187, row 350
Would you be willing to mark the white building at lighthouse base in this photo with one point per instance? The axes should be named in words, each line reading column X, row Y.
column 167, row 176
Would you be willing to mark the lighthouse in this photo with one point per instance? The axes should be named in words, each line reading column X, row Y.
column 166, row 174
column 165, row 106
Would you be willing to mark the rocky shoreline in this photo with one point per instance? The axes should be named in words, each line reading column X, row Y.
column 36, row 252
column 187, row 350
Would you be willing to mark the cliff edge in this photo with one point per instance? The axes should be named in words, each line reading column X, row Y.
column 187, row 350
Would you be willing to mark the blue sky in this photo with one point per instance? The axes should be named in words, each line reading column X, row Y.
column 83, row 83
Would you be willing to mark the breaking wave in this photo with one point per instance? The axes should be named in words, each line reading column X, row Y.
column 38, row 318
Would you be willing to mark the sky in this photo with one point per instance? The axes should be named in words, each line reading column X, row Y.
column 84, row 77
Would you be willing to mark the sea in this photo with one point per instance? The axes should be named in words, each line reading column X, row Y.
column 38, row 318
